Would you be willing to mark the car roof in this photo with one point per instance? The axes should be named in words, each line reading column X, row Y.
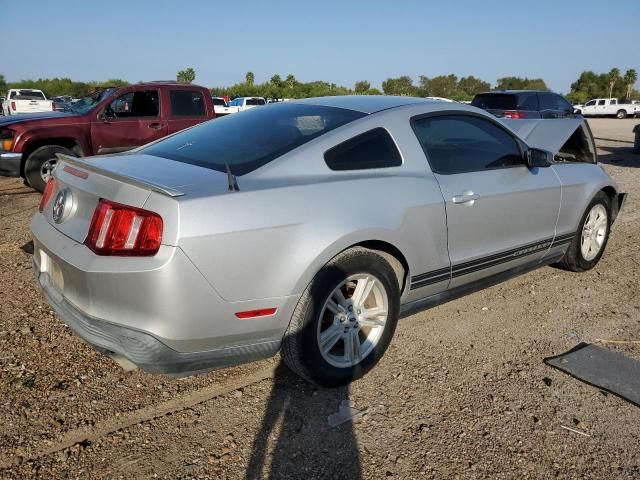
column 514, row 91
column 363, row 103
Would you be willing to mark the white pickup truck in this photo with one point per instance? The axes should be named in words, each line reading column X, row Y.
column 241, row 104
column 26, row 100
column 220, row 107
column 607, row 107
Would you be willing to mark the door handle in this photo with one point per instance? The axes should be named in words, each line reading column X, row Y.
column 155, row 126
column 466, row 197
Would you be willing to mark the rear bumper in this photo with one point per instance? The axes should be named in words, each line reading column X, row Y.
column 10, row 164
column 158, row 312
column 142, row 348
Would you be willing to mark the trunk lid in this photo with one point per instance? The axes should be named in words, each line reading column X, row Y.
column 127, row 179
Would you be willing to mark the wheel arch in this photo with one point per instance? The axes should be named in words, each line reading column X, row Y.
column 66, row 142
column 616, row 200
column 389, row 248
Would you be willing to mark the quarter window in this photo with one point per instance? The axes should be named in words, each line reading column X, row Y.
column 187, row 103
column 372, row 149
column 463, row 143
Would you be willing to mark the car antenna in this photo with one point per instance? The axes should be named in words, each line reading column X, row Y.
column 231, row 179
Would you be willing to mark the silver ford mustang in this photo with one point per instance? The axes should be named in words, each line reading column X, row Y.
column 310, row 227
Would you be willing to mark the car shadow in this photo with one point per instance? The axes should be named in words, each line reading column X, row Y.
column 619, row 156
column 295, row 439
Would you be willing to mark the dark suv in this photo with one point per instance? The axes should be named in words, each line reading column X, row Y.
column 524, row 104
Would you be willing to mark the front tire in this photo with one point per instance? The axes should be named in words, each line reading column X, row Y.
column 621, row 114
column 40, row 165
column 344, row 320
column 592, row 236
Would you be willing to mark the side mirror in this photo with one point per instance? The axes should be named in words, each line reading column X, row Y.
column 538, row 158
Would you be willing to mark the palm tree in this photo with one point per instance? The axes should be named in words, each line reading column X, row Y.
column 613, row 76
column 250, row 77
column 630, row 79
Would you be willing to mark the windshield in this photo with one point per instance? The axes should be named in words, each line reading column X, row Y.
column 251, row 139
column 87, row 103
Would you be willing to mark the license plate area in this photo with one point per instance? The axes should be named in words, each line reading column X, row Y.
column 54, row 277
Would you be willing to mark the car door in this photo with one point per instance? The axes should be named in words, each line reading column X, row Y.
column 131, row 120
column 500, row 213
column 187, row 107
column 589, row 108
column 601, row 108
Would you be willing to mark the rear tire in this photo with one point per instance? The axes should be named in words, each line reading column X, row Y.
column 315, row 344
column 592, row 236
column 621, row 114
column 41, row 163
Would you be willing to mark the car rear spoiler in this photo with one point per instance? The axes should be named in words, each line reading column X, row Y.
column 138, row 182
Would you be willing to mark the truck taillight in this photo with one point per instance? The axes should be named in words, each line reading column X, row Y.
column 514, row 114
column 118, row 229
column 53, row 106
column 48, row 192
column 13, row 106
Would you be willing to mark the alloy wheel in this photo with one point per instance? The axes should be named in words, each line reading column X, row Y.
column 352, row 320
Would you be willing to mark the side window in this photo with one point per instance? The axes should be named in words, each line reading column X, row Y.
column 528, row 101
column 187, row 103
column 562, row 104
column 372, row 149
column 463, row 143
column 142, row 103
column 590, row 103
column 601, row 102
column 613, row 102
column 547, row 101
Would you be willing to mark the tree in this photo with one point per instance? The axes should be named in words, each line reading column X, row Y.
column 276, row 81
column 249, row 78
column 442, row 86
column 186, row 76
column 3, row 84
column 472, row 85
column 612, row 77
column 290, row 82
column 362, row 87
column 518, row 83
column 630, row 79
column 399, row 86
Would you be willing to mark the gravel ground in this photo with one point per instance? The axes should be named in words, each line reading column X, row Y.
column 461, row 393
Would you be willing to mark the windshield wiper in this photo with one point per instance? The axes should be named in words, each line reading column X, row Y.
column 231, row 179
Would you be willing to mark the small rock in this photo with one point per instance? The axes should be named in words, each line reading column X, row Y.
column 547, row 381
column 26, row 330
column 484, row 309
column 236, row 394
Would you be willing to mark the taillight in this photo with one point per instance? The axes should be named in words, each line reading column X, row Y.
column 13, row 106
column 53, row 106
column 118, row 229
column 514, row 114
column 48, row 192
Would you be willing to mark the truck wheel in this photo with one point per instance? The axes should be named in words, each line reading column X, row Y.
column 590, row 240
column 344, row 320
column 621, row 114
column 41, row 163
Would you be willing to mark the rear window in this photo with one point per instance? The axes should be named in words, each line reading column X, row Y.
column 27, row 95
column 255, row 101
column 187, row 103
column 506, row 101
column 253, row 139
column 219, row 102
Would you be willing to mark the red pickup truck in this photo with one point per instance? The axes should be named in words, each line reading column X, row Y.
column 111, row 120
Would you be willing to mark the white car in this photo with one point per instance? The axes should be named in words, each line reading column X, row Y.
column 607, row 107
column 26, row 100
column 220, row 107
column 241, row 104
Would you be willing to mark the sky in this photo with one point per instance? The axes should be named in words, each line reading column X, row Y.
column 336, row 41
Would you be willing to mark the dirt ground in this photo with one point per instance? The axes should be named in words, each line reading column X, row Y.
column 462, row 392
